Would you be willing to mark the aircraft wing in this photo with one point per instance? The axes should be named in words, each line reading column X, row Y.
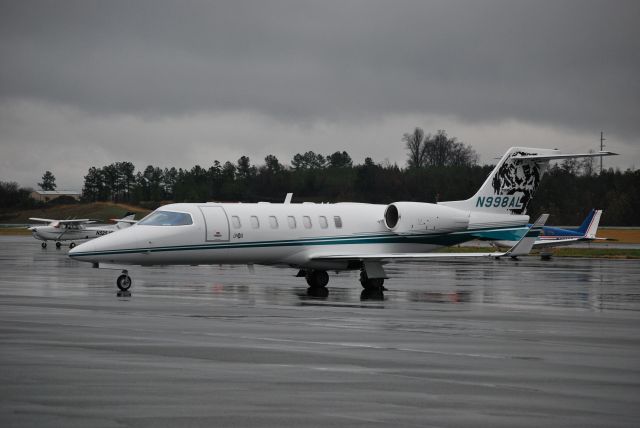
column 71, row 221
column 45, row 220
column 549, row 243
column 564, row 156
column 522, row 247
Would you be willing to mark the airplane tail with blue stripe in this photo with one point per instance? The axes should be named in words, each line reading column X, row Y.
column 589, row 226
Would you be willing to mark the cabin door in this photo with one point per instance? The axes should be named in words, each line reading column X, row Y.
column 216, row 223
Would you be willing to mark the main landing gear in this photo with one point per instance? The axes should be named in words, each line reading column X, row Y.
column 124, row 283
column 58, row 244
column 317, row 280
column 373, row 288
column 73, row 244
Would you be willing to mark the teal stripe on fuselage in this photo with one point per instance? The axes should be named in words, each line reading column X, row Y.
column 443, row 240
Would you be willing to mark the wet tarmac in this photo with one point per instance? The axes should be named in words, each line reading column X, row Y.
column 453, row 343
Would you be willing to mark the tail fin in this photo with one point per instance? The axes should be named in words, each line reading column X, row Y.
column 591, row 228
column 125, row 221
column 511, row 185
column 586, row 222
column 513, row 182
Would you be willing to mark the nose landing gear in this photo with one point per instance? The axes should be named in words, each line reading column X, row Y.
column 124, row 283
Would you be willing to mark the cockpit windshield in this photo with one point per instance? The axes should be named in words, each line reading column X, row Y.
column 166, row 218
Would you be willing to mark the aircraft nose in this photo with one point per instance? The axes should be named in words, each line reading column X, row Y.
column 111, row 248
column 78, row 251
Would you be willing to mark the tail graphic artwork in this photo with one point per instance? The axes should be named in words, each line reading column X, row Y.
column 519, row 178
column 511, row 185
column 513, row 182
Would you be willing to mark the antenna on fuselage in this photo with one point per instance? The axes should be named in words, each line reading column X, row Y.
column 287, row 199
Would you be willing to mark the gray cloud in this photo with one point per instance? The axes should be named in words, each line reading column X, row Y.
column 570, row 63
column 184, row 82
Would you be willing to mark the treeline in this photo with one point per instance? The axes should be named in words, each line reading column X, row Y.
column 439, row 168
column 567, row 191
column 13, row 196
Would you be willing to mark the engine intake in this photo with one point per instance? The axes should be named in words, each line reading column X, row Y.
column 419, row 217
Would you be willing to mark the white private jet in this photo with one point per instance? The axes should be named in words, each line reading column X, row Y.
column 75, row 229
column 316, row 238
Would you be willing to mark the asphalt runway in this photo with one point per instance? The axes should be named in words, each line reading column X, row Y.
column 455, row 343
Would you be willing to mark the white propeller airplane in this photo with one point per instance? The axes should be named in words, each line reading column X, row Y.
column 316, row 238
column 75, row 229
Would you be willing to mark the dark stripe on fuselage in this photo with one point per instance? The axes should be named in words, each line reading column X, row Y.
column 443, row 240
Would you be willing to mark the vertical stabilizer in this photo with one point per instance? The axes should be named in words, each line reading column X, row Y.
column 511, row 185
column 592, row 229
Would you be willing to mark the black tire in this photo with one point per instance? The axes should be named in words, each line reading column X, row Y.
column 43, row 245
column 73, row 244
column 371, row 283
column 124, row 282
column 318, row 279
column 58, row 244
column 372, row 294
column 317, row 292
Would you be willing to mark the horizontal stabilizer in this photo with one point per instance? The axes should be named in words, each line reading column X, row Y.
column 563, row 156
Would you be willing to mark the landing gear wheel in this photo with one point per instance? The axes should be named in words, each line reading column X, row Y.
column 43, row 245
column 371, row 283
column 317, row 278
column 124, row 282
column 73, row 244
column 58, row 244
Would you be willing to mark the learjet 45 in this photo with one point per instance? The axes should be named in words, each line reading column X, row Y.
column 316, row 238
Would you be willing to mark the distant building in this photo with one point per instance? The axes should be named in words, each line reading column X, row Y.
column 49, row 195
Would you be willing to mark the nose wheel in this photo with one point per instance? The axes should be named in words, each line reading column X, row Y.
column 43, row 245
column 124, row 283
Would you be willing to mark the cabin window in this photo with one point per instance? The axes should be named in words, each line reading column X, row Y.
column 235, row 221
column 338, row 221
column 273, row 222
column 292, row 222
column 306, row 220
column 323, row 222
column 166, row 218
column 255, row 223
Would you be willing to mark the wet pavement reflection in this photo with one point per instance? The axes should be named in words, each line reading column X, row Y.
column 595, row 284
column 449, row 343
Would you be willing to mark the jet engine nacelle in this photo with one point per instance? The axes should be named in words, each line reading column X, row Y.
column 419, row 217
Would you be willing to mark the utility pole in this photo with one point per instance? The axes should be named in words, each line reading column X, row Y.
column 601, row 148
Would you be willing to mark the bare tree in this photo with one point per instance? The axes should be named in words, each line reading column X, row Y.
column 415, row 145
column 437, row 150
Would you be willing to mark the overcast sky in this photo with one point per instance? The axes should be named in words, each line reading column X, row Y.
column 87, row 83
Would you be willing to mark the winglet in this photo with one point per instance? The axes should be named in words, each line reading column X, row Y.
column 525, row 244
